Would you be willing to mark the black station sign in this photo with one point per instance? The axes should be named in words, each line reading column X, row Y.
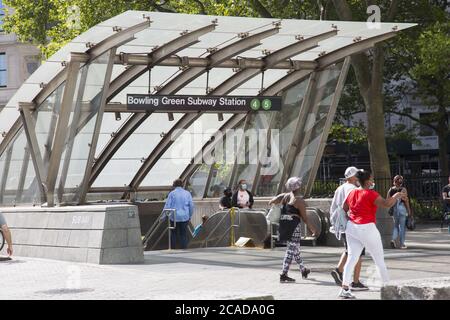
column 163, row 103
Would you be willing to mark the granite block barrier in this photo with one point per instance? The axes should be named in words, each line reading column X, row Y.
column 423, row 289
column 100, row 234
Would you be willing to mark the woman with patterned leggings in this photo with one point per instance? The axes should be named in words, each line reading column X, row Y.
column 294, row 206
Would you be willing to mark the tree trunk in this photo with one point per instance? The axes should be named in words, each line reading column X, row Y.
column 371, row 86
column 443, row 133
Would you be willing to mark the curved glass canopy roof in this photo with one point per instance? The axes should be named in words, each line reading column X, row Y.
column 67, row 135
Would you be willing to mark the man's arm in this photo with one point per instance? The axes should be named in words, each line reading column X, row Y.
column 8, row 238
column 191, row 206
column 169, row 202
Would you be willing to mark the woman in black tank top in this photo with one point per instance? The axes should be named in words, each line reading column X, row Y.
column 293, row 209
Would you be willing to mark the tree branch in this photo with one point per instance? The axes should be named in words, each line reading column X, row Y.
column 258, row 6
column 343, row 10
column 392, row 10
column 202, row 6
column 160, row 8
column 403, row 114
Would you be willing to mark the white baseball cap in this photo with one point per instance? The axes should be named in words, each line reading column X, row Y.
column 351, row 172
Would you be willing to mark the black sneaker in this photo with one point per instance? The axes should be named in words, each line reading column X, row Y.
column 337, row 276
column 393, row 246
column 359, row 286
column 285, row 278
column 305, row 273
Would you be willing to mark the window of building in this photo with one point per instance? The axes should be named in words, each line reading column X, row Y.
column 32, row 63
column 3, row 70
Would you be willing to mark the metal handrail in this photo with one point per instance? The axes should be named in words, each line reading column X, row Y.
column 168, row 224
column 231, row 225
column 154, row 227
column 272, row 236
column 205, row 242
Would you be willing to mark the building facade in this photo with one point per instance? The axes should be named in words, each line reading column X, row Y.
column 17, row 62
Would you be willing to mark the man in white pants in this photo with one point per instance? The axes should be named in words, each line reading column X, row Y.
column 340, row 195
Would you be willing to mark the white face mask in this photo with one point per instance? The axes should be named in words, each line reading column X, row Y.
column 244, row 186
column 372, row 186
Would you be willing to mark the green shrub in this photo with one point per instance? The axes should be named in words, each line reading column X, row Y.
column 426, row 210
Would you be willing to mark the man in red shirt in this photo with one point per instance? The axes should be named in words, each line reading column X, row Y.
column 361, row 206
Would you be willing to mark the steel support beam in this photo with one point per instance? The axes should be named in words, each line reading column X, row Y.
column 134, row 59
column 305, row 135
column 288, row 81
column 81, row 195
column 327, row 127
column 10, row 135
column 301, row 120
column 61, row 127
column 117, row 39
column 50, row 87
column 72, row 132
column 23, row 174
column 5, row 172
column 36, row 157
column 268, row 141
column 127, row 188
column 348, row 50
column 51, row 132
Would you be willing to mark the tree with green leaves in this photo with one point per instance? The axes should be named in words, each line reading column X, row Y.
column 52, row 23
column 425, row 76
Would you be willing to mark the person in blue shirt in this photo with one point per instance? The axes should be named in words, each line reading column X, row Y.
column 200, row 226
column 180, row 200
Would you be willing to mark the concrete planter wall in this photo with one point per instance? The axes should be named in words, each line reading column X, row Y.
column 101, row 234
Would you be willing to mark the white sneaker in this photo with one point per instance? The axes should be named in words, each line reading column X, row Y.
column 346, row 294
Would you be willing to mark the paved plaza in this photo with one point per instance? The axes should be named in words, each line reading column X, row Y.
column 219, row 273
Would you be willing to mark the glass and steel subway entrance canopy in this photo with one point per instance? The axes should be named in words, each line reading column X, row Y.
column 68, row 136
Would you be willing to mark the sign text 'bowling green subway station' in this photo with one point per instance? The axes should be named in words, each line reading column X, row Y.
column 175, row 103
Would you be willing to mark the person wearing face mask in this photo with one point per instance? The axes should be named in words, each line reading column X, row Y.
column 242, row 198
column 340, row 195
column 361, row 232
column 225, row 201
column 399, row 212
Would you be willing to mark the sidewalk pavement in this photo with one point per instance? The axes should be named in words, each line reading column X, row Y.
column 219, row 273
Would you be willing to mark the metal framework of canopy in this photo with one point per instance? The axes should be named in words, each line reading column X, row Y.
column 70, row 116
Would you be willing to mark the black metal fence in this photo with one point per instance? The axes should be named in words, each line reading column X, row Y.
column 425, row 193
